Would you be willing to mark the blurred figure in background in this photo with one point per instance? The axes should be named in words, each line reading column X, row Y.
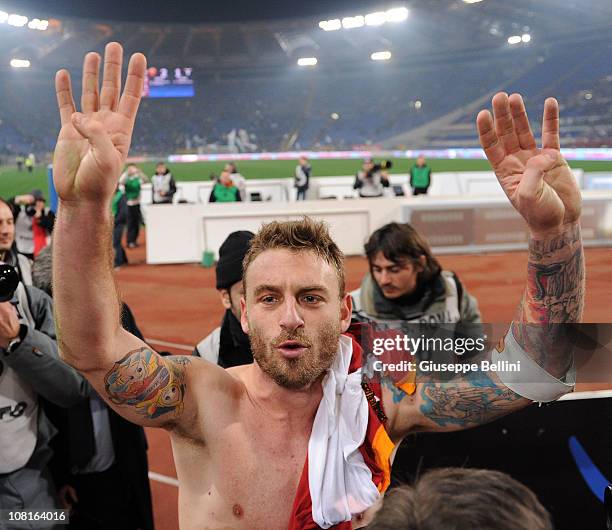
column 131, row 180
column 26, row 208
column 462, row 499
column 8, row 249
column 163, row 183
column 420, row 177
column 120, row 209
column 238, row 180
column 30, row 162
column 228, row 345
column 224, row 189
column 302, row 178
column 371, row 180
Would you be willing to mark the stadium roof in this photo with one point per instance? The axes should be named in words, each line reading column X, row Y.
column 247, row 34
column 191, row 10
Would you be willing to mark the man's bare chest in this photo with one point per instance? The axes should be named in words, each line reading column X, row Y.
column 252, row 470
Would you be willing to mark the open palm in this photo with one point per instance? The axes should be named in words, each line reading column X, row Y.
column 92, row 146
column 538, row 182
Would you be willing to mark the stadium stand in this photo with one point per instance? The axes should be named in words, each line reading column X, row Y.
column 246, row 79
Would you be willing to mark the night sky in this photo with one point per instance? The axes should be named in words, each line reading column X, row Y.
column 192, row 10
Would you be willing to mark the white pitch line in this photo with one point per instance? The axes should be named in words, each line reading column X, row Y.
column 170, row 344
column 163, row 479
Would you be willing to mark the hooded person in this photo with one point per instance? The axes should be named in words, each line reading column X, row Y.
column 228, row 345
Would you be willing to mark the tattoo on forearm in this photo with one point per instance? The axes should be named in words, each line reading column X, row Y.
column 555, row 280
column 554, row 298
column 152, row 384
column 466, row 402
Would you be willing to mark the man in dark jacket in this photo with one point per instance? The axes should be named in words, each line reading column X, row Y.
column 228, row 345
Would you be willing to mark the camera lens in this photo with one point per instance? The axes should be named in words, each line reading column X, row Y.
column 9, row 280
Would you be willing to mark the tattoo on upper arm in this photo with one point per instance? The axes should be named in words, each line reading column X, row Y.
column 152, row 384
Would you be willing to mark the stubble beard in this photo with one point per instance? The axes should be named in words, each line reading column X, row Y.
column 301, row 372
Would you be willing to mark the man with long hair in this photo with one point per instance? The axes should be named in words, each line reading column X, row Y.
column 407, row 284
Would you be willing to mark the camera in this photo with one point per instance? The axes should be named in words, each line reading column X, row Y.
column 9, row 280
column 30, row 210
column 380, row 166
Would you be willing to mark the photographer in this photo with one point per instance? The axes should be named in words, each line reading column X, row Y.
column 33, row 222
column 8, row 249
column 372, row 179
column 30, row 369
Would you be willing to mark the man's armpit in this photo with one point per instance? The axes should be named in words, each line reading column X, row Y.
column 153, row 385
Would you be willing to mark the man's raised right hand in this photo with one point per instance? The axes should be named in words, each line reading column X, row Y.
column 93, row 144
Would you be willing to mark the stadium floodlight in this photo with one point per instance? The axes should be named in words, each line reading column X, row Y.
column 38, row 24
column 334, row 116
column 20, row 63
column 353, row 22
column 471, row 1
column 307, row 61
column 525, row 37
column 3, row 17
column 17, row 20
column 330, row 25
column 515, row 39
column 418, row 104
column 398, row 14
column 376, row 19
column 381, row 56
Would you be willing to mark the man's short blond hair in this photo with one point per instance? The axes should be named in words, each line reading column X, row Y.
column 297, row 236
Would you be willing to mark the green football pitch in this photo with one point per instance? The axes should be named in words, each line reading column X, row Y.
column 14, row 183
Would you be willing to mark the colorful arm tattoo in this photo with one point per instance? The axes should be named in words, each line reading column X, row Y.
column 152, row 384
column 467, row 401
column 553, row 298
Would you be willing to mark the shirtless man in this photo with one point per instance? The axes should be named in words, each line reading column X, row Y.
column 240, row 437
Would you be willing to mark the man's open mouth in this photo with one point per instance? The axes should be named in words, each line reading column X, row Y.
column 292, row 348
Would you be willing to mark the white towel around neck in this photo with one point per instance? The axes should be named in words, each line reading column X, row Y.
column 340, row 482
